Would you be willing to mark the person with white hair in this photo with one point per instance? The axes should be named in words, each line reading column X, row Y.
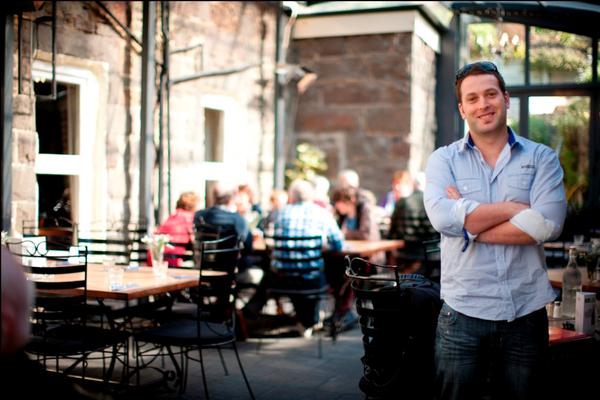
column 350, row 178
column 301, row 217
column 321, row 185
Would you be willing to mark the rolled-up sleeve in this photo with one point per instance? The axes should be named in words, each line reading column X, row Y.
column 446, row 215
column 548, row 205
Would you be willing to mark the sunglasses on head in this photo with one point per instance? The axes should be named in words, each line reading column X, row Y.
column 486, row 66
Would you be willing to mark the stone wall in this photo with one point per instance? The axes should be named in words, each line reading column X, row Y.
column 362, row 110
column 232, row 34
column 422, row 99
column 24, row 200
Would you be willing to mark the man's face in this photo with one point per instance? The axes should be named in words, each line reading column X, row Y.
column 483, row 105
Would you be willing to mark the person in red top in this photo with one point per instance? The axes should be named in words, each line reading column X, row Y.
column 179, row 227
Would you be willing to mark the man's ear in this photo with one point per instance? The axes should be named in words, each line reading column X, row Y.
column 507, row 99
column 460, row 109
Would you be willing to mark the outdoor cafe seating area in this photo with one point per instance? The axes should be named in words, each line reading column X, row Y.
column 103, row 316
column 300, row 200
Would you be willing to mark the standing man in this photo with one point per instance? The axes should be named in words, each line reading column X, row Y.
column 496, row 198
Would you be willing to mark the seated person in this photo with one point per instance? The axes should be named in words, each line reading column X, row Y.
column 350, row 178
column 247, row 208
column 409, row 222
column 355, row 218
column 357, row 222
column 179, row 227
column 224, row 213
column 322, row 185
column 403, row 185
column 302, row 217
column 278, row 199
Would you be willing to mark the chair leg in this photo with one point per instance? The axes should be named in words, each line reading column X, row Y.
column 181, row 371
column 242, row 370
column 223, row 361
column 203, row 373
column 184, row 365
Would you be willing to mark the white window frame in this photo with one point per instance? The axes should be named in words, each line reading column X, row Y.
column 234, row 140
column 80, row 165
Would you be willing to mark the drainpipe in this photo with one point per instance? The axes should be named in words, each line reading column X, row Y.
column 7, row 117
column 279, row 112
column 147, row 150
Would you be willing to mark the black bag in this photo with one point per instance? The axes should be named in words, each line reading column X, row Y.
column 398, row 319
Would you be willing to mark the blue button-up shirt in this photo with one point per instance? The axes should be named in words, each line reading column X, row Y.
column 493, row 281
column 307, row 219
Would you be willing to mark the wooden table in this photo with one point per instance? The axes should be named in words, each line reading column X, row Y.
column 555, row 275
column 139, row 282
column 352, row 248
column 558, row 335
column 366, row 248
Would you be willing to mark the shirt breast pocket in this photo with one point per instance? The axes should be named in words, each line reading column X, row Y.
column 468, row 187
column 520, row 181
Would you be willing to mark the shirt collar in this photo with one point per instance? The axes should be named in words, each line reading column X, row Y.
column 467, row 141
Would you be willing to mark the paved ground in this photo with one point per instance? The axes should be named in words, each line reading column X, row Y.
column 282, row 368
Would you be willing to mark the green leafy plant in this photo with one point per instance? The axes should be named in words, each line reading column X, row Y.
column 309, row 161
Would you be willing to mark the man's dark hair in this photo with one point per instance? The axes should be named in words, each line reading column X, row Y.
column 477, row 68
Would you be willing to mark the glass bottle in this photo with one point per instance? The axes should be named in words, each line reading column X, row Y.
column 571, row 284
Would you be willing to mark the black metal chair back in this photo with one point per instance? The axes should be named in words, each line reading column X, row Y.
column 216, row 293
column 213, row 325
column 431, row 266
column 59, row 235
column 398, row 316
column 207, row 232
column 557, row 255
column 59, row 314
column 123, row 242
column 293, row 254
column 298, row 268
column 209, row 262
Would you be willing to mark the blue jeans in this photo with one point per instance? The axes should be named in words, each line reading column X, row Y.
column 476, row 357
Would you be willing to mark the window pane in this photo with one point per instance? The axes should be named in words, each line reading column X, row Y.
column 513, row 114
column 501, row 43
column 563, row 124
column 558, row 57
column 55, row 120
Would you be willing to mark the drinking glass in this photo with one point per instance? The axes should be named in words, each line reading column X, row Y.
column 115, row 277
column 160, row 269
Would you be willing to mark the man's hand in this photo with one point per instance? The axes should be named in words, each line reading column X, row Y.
column 452, row 193
column 486, row 216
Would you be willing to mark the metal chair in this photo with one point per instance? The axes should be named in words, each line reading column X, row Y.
column 431, row 267
column 120, row 241
column 59, row 316
column 63, row 233
column 212, row 327
column 297, row 266
column 398, row 318
column 413, row 228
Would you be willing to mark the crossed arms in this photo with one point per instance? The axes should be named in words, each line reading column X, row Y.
column 506, row 222
column 490, row 222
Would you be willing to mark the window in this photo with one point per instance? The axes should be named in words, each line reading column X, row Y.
column 559, row 57
column 563, row 124
column 56, row 125
column 213, row 139
column 502, row 43
column 513, row 114
column 68, row 143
